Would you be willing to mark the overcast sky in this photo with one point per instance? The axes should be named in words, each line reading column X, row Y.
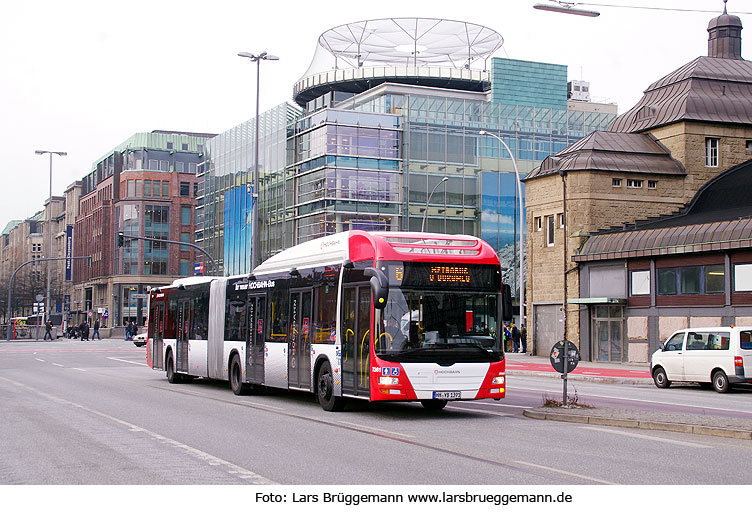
column 83, row 76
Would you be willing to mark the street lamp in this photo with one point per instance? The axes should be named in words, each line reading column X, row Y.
column 263, row 56
column 443, row 180
column 566, row 8
column 519, row 194
column 49, row 228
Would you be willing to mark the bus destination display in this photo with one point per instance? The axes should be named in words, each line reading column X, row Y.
column 448, row 274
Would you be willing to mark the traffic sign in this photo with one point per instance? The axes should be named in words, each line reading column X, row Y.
column 557, row 356
column 106, row 314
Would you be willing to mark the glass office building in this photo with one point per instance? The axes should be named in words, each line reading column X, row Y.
column 225, row 194
column 376, row 138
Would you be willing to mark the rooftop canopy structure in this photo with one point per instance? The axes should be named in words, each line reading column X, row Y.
column 423, row 51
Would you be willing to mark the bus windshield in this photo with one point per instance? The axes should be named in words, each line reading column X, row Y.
column 442, row 326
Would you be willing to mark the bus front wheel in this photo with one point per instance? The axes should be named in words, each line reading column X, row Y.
column 433, row 404
column 325, row 390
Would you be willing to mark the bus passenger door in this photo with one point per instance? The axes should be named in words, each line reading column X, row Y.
column 356, row 340
column 299, row 340
column 184, row 325
column 254, row 349
column 156, row 320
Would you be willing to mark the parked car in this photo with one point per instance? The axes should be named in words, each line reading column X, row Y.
column 140, row 340
column 718, row 356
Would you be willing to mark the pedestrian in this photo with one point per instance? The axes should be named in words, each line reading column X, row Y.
column 96, row 330
column 134, row 330
column 523, row 337
column 507, row 339
column 47, row 330
column 516, row 338
column 128, row 331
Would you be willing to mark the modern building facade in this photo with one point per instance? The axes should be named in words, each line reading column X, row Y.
column 388, row 110
column 639, row 230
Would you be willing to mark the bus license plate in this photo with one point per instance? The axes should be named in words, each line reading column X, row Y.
column 447, row 395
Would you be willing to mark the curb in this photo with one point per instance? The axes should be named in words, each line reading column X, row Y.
column 583, row 378
column 639, row 424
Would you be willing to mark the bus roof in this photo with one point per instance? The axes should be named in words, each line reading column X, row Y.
column 359, row 245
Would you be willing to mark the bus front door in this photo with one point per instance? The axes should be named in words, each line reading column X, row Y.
column 299, row 340
column 183, row 329
column 156, row 320
column 254, row 349
column 356, row 341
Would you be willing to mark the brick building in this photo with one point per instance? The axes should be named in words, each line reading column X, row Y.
column 144, row 187
column 657, row 159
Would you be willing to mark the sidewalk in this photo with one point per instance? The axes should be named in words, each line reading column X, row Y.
column 519, row 364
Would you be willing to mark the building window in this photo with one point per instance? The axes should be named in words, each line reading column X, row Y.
column 549, row 230
column 192, row 168
column 179, row 167
column 700, row 279
column 184, row 146
column 639, row 283
column 711, row 152
column 165, row 188
column 538, row 224
column 170, row 146
column 164, row 165
column 185, row 237
column 743, row 277
column 652, row 185
column 185, row 189
column 616, row 182
column 185, row 267
column 185, row 215
column 561, row 220
column 634, row 183
column 715, row 279
column 749, row 146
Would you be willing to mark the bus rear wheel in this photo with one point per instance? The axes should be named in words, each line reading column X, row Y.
column 172, row 376
column 236, row 377
column 325, row 390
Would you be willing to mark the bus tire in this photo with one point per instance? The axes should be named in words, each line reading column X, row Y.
column 172, row 376
column 325, row 390
column 433, row 404
column 236, row 377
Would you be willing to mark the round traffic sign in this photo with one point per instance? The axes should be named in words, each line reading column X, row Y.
column 557, row 356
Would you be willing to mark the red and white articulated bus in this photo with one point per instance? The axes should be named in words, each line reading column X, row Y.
column 380, row 316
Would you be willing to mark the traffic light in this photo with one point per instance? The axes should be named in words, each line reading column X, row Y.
column 121, row 239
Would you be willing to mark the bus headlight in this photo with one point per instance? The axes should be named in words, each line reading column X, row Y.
column 498, row 380
column 388, row 380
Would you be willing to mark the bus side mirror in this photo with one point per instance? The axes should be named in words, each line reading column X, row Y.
column 379, row 286
column 506, row 302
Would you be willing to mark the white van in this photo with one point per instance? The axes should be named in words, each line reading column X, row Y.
column 720, row 356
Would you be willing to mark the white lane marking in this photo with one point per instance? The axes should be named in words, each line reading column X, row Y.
column 128, row 361
column 647, row 437
column 374, row 429
column 79, row 369
column 39, row 360
column 569, row 473
column 476, row 411
column 497, row 404
column 652, row 402
column 232, row 469
column 56, row 364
